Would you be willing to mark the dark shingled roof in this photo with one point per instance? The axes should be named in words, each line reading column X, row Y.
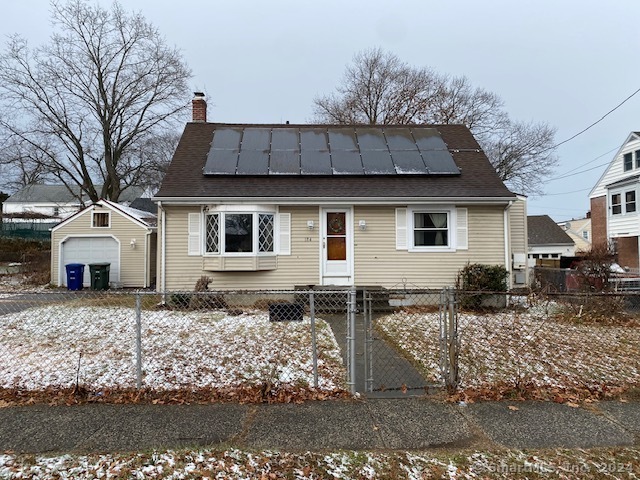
column 544, row 231
column 185, row 178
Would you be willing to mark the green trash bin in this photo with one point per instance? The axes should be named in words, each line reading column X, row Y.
column 99, row 273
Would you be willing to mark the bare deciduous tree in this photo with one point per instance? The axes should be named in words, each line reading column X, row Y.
column 378, row 88
column 82, row 104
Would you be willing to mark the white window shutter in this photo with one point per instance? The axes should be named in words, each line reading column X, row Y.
column 194, row 234
column 284, row 233
column 401, row 229
column 462, row 229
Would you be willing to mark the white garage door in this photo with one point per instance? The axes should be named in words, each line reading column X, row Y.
column 88, row 250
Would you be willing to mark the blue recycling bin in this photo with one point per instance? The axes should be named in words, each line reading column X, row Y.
column 75, row 274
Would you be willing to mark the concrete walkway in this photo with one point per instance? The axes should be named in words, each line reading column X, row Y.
column 402, row 424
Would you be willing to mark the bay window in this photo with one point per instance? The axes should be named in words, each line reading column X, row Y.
column 239, row 233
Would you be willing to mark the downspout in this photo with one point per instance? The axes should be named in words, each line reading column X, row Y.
column 147, row 260
column 507, row 244
column 163, row 237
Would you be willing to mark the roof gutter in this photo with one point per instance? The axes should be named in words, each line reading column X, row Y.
column 332, row 200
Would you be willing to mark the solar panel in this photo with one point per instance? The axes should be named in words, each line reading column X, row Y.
column 284, row 162
column 315, row 162
column 346, row 162
column 371, row 139
column 440, row 161
column 400, row 139
column 221, row 161
column 227, row 138
column 284, row 139
column 314, row 139
column 342, row 139
column 408, row 162
column 378, row 162
column 256, row 139
column 318, row 150
column 428, row 139
column 253, row 162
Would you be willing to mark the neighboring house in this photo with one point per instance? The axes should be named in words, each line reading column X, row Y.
column 107, row 232
column 56, row 200
column 614, row 212
column 547, row 240
column 285, row 206
column 580, row 232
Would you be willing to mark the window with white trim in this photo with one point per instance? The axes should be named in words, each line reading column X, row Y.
column 616, row 203
column 100, row 220
column 430, row 229
column 627, row 161
column 240, row 233
column 623, row 202
column 630, row 201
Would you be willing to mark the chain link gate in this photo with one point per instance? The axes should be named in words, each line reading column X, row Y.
column 382, row 358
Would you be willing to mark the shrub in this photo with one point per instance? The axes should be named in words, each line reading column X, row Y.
column 476, row 277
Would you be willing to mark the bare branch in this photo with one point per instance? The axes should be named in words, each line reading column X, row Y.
column 104, row 83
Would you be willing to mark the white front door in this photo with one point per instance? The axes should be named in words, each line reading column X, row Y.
column 337, row 246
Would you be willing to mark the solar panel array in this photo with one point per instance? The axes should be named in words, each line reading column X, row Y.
column 316, row 150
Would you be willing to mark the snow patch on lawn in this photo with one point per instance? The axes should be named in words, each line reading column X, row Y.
column 505, row 347
column 50, row 346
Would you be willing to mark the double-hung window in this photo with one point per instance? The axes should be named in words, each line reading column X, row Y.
column 434, row 229
column 630, row 201
column 616, row 203
column 430, row 229
column 240, row 233
column 628, row 161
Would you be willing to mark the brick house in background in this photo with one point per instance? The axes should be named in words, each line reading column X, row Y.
column 615, row 220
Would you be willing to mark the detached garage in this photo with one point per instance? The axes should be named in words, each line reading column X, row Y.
column 107, row 232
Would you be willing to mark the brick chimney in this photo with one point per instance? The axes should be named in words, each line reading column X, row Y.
column 199, row 107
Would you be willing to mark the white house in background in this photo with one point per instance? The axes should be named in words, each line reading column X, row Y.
column 615, row 216
column 579, row 229
column 547, row 240
column 55, row 200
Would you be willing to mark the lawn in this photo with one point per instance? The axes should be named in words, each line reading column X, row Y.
column 59, row 345
column 522, row 347
column 240, row 464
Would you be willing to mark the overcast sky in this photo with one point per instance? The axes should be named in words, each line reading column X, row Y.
column 566, row 62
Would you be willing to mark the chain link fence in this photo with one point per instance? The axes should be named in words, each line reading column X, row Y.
column 374, row 341
column 179, row 340
column 494, row 341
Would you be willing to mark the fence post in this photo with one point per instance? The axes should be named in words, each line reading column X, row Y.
column 138, row 341
column 449, row 338
column 368, row 340
column 351, row 340
column 314, row 343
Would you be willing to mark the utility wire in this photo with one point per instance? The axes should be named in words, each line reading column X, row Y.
column 594, row 123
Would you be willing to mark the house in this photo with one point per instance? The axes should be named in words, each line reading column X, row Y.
column 107, row 232
column 56, row 200
column 283, row 206
column 547, row 240
column 579, row 229
column 614, row 213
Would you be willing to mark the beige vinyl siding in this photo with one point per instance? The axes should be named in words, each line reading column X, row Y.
column 518, row 226
column 377, row 262
column 132, row 260
column 301, row 267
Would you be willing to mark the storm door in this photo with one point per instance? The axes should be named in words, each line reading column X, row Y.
column 337, row 232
